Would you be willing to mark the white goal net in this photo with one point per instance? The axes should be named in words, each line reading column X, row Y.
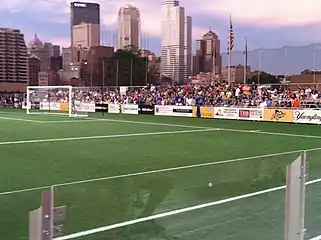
column 59, row 100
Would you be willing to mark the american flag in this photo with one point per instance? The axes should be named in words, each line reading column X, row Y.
column 230, row 38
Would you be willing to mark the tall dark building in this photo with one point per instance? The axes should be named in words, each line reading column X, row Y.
column 13, row 56
column 85, row 24
column 34, row 69
column 208, row 57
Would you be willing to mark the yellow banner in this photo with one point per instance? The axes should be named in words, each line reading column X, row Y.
column 205, row 112
column 64, row 107
column 278, row 115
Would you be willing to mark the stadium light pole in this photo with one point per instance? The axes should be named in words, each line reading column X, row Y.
column 314, row 65
column 103, row 80
column 131, row 71
column 260, row 63
column 117, row 74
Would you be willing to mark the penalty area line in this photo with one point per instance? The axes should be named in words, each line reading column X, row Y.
column 21, row 120
column 175, row 212
column 106, row 136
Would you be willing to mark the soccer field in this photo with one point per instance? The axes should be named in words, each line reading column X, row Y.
column 147, row 177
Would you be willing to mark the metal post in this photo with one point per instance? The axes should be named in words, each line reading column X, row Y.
column 131, row 71
column 42, row 221
column 295, row 199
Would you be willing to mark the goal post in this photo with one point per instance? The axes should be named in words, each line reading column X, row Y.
column 59, row 100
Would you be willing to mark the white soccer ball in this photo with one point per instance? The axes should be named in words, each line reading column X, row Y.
column 210, row 184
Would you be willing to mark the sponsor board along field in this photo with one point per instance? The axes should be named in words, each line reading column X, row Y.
column 128, row 176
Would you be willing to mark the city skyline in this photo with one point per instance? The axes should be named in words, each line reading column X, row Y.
column 261, row 28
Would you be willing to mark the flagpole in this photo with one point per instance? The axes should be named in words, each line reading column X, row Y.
column 229, row 69
column 214, row 59
column 229, row 52
column 245, row 61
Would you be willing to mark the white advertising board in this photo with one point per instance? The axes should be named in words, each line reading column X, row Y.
column 226, row 113
column 129, row 108
column 24, row 105
column 85, row 107
column 55, row 106
column 176, row 111
column 113, row 108
column 307, row 116
column 253, row 114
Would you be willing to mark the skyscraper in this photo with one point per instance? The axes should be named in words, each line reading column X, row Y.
column 37, row 48
column 188, row 47
column 128, row 27
column 53, row 50
column 176, row 41
column 85, row 24
column 208, row 56
column 13, row 56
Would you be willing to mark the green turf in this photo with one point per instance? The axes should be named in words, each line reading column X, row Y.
column 96, row 204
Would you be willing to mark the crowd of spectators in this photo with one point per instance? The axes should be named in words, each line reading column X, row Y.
column 10, row 100
column 210, row 95
column 216, row 95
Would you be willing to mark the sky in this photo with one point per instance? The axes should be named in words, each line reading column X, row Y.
column 265, row 23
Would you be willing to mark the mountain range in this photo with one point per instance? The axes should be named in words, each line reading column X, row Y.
column 279, row 61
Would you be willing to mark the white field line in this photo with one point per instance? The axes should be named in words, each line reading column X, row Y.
column 73, row 121
column 157, row 171
column 174, row 212
column 183, row 126
column 222, row 129
column 105, row 136
column 21, row 120
column 316, row 238
column 190, row 126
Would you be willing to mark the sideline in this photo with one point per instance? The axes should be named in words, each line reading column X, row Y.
column 174, row 212
column 258, row 131
column 157, row 171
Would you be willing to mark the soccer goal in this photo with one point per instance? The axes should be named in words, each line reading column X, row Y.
column 59, row 100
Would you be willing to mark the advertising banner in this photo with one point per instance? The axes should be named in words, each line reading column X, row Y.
column 129, row 108
column 85, row 107
column 55, row 106
column 205, row 112
column 24, row 105
column 146, row 109
column 101, row 107
column 177, row 111
column 307, row 116
column 278, row 115
column 254, row 114
column 64, row 107
column 113, row 108
column 226, row 113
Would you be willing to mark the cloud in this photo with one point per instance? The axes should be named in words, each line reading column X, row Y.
column 150, row 12
column 252, row 13
column 265, row 13
column 61, row 41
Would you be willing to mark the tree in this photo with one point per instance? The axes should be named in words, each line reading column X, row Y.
column 126, row 68
column 306, row 72
column 263, row 78
column 153, row 75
